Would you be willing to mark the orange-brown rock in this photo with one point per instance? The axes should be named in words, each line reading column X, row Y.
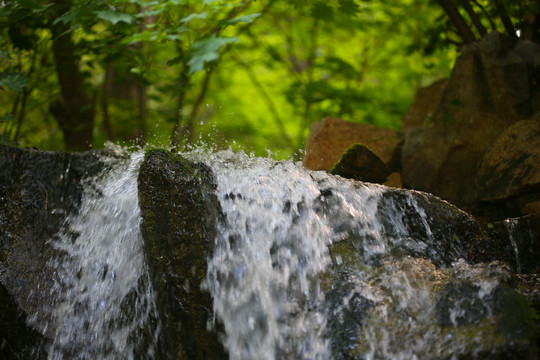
column 512, row 165
column 491, row 88
column 394, row 180
column 329, row 138
column 424, row 105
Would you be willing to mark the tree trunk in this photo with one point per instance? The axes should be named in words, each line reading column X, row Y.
column 74, row 112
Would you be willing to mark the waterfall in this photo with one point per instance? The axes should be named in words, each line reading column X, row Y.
column 313, row 266
column 102, row 295
column 305, row 265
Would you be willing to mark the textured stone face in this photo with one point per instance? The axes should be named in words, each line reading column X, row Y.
column 425, row 104
column 329, row 138
column 512, row 165
column 179, row 215
column 492, row 86
column 38, row 190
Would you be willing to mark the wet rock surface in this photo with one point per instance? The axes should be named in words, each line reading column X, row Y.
column 407, row 263
column 179, row 216
column 38, row 190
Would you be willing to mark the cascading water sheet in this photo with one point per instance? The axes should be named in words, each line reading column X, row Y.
column 305, row 265
column 263, row 275
column 266, row 255
column 103, row 299
column 312, row 266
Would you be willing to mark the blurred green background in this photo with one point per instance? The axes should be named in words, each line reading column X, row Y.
column 246, row 74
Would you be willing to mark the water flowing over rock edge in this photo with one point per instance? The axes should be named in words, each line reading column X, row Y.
column 51, row 187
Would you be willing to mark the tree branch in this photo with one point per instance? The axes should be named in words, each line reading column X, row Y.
column 187, row 132
column 484, row 11
column 459, row 22
column 508, row 26
column 474, row 18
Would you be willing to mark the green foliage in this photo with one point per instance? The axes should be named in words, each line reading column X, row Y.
column 251, row 74
column 206, row 50
column 12, row 80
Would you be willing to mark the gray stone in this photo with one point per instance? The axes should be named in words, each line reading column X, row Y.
column 179, row 216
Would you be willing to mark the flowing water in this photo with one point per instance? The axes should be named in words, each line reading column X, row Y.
column 305, row 266
column 103, row 297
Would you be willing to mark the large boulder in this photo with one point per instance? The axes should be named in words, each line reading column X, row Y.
column 416, row 296
column 492, row 86
column 179, row 216
column 511, row 167
column 329, row 138
column 38, row 190
column 425, row 104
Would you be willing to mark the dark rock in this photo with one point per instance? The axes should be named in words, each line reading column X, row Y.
column 359, row 163
column 443, row 159
column 514, row 241
column 414, row 223
column 180, row 211
column 497, row 312
column 38, row 190
column 511, row 167
column 345, row 322
column 17, row 339
column 492, row 86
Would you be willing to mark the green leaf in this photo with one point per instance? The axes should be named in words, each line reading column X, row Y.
column 71, row 15
column 12, row 80
column 348, row 7
column 193, row 16
column 322, row 11
column 32, row 5
column 114, row 17
column 205, row 51
column 7, row 118
column 246, row 18
column 140, row 37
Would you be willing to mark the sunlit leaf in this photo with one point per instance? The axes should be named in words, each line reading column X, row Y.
column 246, row 18
column 140, row 37
column 114, row 17
column 205, row 51
column 193, row 16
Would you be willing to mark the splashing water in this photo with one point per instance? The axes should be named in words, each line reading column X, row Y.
column 282, row 244
column 104, row 298
column 305, row 266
